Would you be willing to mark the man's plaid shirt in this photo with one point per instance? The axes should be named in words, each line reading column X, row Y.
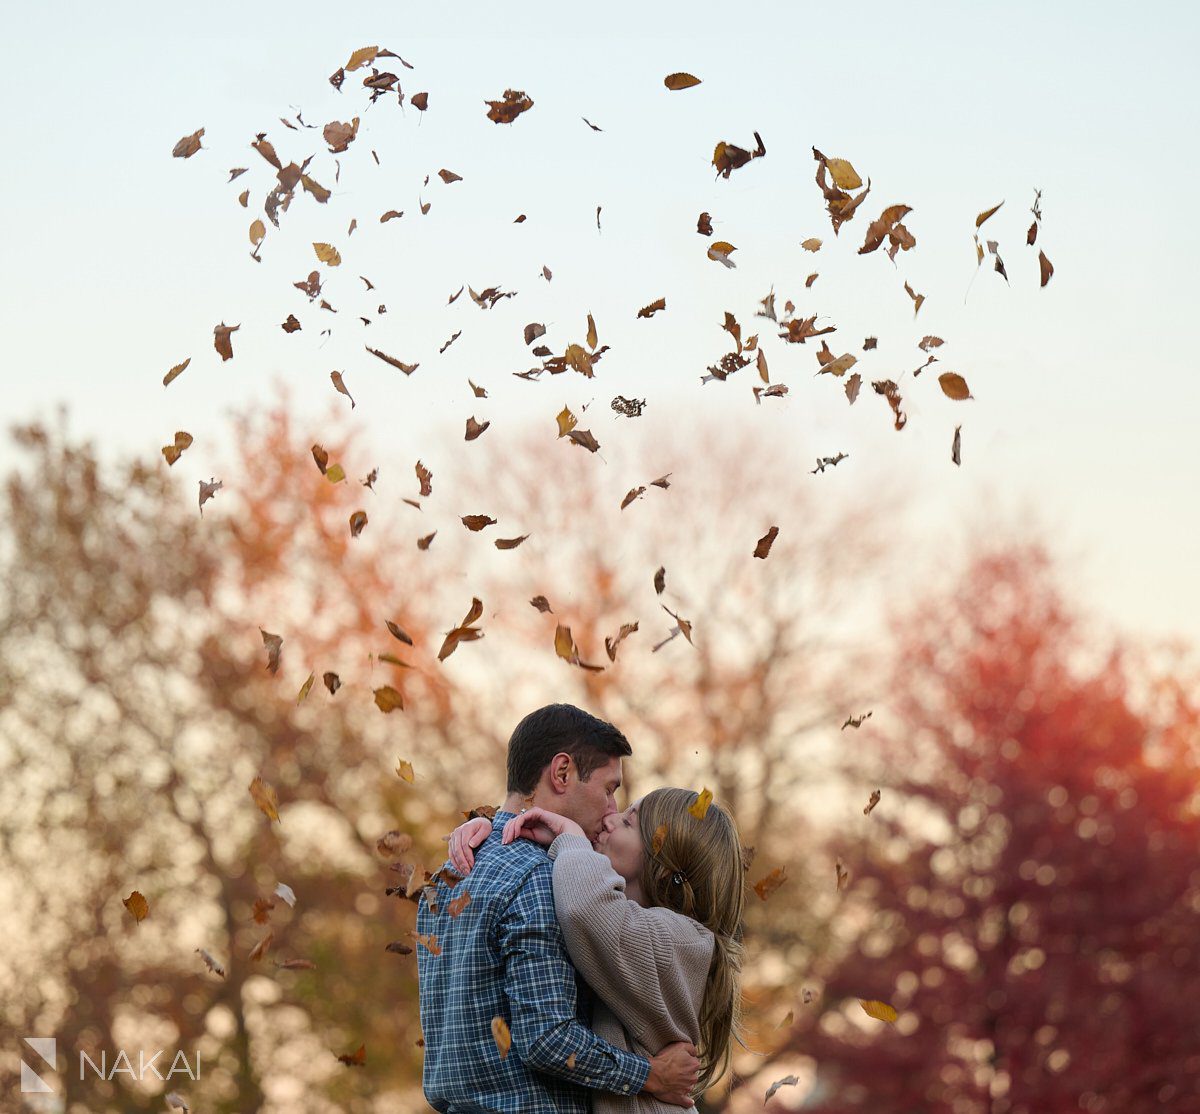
column 504, row 956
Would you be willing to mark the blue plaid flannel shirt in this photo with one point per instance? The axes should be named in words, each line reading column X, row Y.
column 504, row 956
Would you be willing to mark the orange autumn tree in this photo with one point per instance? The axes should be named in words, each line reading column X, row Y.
column 1026, row 893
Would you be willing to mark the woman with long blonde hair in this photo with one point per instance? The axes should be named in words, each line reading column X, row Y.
column 652, row 920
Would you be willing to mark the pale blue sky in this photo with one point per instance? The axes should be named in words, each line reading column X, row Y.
column 118, row 259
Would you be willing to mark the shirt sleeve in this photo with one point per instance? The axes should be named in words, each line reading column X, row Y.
column 649, row 966
column 539, row 982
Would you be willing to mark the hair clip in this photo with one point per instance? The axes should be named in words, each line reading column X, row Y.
column 679, row 878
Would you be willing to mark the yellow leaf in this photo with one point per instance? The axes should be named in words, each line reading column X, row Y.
column 845, row 177
column 264, row 797
column 176, row 371
column 699, row 807
column 335, row 473
column 327, row 253
column 721, row 248
column 364, row 56
column 137, row 905
column 677, row 81
column 660, row 837
column 257, row 231
column 304, row 689
column 404, row 770
column 986, row 214
column 592, row 338
column 566, row 422
column 388, row 699
column 811, row 244
column 564, row 643
column 501, row 1036
column 881, row 1011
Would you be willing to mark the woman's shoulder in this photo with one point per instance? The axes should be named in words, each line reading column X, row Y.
column 679, row 929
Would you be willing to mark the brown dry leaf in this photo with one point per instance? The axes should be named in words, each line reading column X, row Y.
column 261, row 948
column 136, row 903
column 398, row 632
column 404, row 770
column 987, row 214
column 928, row 342
column 173, row 451
column 727, row 157
column 327, row 253
column 852, row 387
column 210, row 962
column 810, row 280
column 429, row 943
column 677, row 81
column 306, row 687
column 332, row 682
column 660, row 581
column 507, row 110
column 875, row 796
column 450, row 342
column 176, row 372
column 419, row 101
column 720, row 252
column 547, row 274
column 799, row 329
column 534, row 330
column 501, row 1036
column 856, row 721
column 296, row 965
column 474, row 429
column 188, row 146
column 611, row 644
column 576, row 357
column 458, row 904
column 394, row 842
column 314, row 187
column 811, row 244
column 408, row 369
column 477, row 522
column 264, row 796
column 630, row 496
column 391, row 214
column 340, row 386
column 890, row 391
column 765, row 887
column 843, row 875
column 510, row 543
column 274, row 645
column 652, row 308
column 541, row 604
column 425, row 479
column 449, row 176
column 918, row 299
column 870, row 343
column 222, row 339
column 763, row 374
column 426, row 541
column 388, row 699
column 584, row 437
column 1046, row 266
column 262, row 910
column 291, row 325
column 358, row 521
column 954, row 386
column 391, row 659
column 355, row 1059
column 888, row 227
column 565, row 648
column 244, row 199
column 592, row 338
column 339, row 135
column 824, row 462
column 399, row 948
column 786, row 1081
column 263, row 146
column 699, row 807
column 763, row 548
column 478, row 392
column 956, row 446
column 257, row 231
column 881, row 1011
column 840, row 205
column 466, row 631
column 208, row 490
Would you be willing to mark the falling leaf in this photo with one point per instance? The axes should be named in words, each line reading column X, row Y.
column 547, row 274
column 175, row 372
column 449, row 176
column 306, row 687
column 355, row 1059
column 765, row 887
column 704, row 224
column 284, row 891
column 843, row 875
column 699, row 807
column 296, row 965
column 188, row 146
column 856, row 721
column 327, row 253
column 261, row 948
column 477, row 522
column 450, row 342
column 844, row 176
column 510, row 543
column 208, row 490
column 340, row 386
column 388, row 699
column 660, row 581
column 870, row 343
column 358, row 521
column 291, row 325
column 391, row 214
column 611, row 644
column 222, row 341
column 954, row 386
column 918, row 299
column 824, row 462
column 175, row 1101
column 478, row 392
column 399, row 948
column 631, row 495
column 404, row 770
column 1046, row 266
column 811, row 244
column 765, row 542
column 335, row 474
column 628, row 407
column 137, row 905
column 474, row 429
column 875, row 796
column 507, row 110
column 592, row 337
column 458, row 904
column 810, row 280
column 786, row 1081
column 852, row 386
column 424, row 543
column 501, row 1036
column 956, row 446
column 677, row 81
column 879, row 1010
column 210, row 962
column 986, row 214
column 257, row 231
column 720, row 252
column 320, row 193
column 598, row 208
column 584, row 437
column 652, row 308
column 565, row 648
column 727, row 157
column 173, row 451
column 364, row 56
column 534, row 330
column 264, row 796
column 425, row 479
column 408, row 369
column 541, row 604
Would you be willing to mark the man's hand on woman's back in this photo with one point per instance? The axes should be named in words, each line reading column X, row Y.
column 673, row 1074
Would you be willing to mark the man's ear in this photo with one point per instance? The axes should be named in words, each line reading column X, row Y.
column 559, row 773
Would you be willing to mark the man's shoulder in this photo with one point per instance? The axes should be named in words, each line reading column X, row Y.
column 511, row 866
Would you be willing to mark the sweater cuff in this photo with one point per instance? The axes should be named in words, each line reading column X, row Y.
column 567, row 840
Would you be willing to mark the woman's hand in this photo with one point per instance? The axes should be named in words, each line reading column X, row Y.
column 539, row 825
column 463, row 841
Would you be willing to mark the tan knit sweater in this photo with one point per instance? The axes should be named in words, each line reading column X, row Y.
column 648, row 967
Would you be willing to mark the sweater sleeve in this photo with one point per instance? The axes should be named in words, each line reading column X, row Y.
column 649, row 966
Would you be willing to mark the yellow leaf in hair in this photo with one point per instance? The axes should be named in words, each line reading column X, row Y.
column 660, row 837
column 699, row 807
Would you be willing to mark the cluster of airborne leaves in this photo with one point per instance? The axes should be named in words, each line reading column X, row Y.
column 844, row 194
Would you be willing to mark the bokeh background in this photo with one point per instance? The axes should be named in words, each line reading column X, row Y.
column 1021, row 628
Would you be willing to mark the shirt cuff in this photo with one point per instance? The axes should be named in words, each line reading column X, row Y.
column 567, row 840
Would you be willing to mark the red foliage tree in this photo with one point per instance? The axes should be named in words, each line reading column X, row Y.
column 1028, row 897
